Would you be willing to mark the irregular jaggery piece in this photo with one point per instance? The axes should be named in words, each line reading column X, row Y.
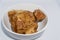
column 23, row 22
column 39, row 15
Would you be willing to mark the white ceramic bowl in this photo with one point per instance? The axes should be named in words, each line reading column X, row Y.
column 7, row 26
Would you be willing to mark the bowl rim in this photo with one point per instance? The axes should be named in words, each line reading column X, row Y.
column 42, row 9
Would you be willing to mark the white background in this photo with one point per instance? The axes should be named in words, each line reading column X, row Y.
column 53, row 9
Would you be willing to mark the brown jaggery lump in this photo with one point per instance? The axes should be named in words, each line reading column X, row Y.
column 39, row 15
column 22, row 21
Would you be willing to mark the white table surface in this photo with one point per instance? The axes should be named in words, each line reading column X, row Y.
column 53, row 9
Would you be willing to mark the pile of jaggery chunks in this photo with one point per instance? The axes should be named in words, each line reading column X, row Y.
column 24, row 21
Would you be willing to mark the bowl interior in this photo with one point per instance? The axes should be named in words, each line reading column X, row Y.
column 29, row 7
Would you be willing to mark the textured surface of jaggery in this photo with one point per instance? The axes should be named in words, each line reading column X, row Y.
column 39, row 15
column 22, row 22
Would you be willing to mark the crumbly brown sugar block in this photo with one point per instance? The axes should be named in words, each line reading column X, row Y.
column 22, row 21
column 39, row 15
